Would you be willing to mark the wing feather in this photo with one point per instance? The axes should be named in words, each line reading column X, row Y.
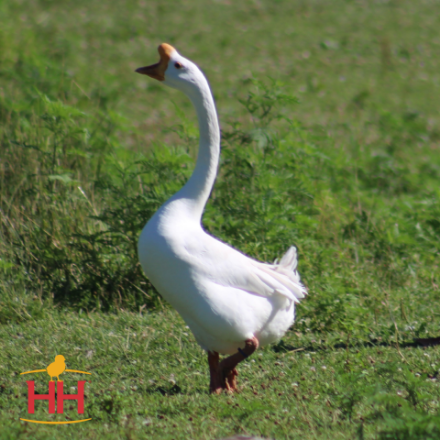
column 239, row 271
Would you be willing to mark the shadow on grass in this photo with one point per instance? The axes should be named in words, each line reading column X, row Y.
column 282, row 347
column 165, row 391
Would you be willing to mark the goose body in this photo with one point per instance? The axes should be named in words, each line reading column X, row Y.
column 229, row 301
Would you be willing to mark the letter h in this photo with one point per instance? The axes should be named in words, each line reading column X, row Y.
column 32, row 397
column 79, row 397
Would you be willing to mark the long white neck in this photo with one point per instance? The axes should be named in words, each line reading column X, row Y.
column 198, row 188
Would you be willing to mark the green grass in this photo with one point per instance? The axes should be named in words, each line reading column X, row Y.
column 150, row 381
column 345, row 166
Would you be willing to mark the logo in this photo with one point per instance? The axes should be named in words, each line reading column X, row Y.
column 55, row 369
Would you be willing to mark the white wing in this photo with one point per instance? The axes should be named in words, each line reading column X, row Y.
column 226, row 266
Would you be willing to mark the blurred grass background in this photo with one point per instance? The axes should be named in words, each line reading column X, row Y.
column 345, row 165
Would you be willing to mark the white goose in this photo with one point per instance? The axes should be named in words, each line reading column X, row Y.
column 232, row 303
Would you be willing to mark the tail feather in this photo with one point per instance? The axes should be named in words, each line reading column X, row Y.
column 286, row 275
column 289, row 260
column 287, row 266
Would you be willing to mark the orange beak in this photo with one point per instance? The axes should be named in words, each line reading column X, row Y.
column 157, row 71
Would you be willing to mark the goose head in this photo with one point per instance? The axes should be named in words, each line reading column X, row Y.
column 174, row 70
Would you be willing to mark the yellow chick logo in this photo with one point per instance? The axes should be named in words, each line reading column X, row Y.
column 57, row 367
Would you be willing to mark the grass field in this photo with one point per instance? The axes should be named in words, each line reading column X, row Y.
column 345, row 165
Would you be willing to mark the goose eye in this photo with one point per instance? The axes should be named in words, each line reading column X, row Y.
column 178, row 65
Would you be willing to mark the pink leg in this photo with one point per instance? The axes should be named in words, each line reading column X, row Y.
column 231, row 380
column 227, row 368
column 215, row 386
